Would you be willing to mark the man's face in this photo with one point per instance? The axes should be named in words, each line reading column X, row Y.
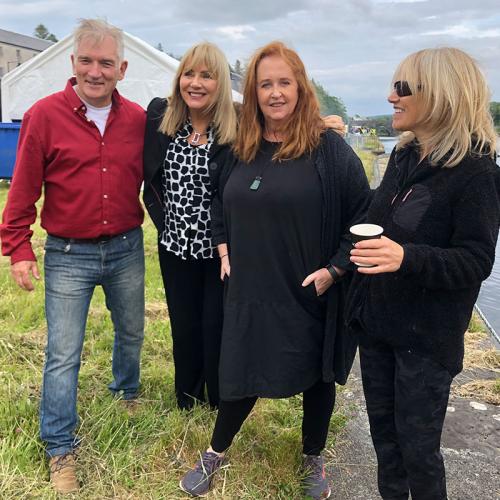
column 97, row 69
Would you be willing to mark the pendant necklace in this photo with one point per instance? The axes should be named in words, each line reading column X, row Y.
column 256, row 183
column 258, row 178
column 197, row 136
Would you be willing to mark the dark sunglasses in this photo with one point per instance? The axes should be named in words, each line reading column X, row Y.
column 402, row 88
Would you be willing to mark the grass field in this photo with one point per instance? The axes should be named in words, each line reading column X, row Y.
column 367, row 158
column 137, row 452
column 141, row 451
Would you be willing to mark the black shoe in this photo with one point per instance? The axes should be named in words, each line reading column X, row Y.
column 198, row 480
column 314, row 483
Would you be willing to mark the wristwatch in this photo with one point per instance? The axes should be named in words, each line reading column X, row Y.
column 333, row 273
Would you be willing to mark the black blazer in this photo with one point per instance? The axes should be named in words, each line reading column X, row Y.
column 155, row 150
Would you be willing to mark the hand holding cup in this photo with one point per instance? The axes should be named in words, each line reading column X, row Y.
column 374, row 253
column 362, row 232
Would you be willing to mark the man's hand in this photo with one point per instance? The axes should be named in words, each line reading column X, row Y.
column 322, row 280
column 336, row 123
column 22, row 271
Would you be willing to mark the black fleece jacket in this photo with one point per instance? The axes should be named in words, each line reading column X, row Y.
column 447, row 221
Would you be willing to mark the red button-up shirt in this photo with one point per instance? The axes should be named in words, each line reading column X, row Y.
column 91, row 182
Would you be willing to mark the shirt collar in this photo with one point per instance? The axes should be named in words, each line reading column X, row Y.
column 77, row 104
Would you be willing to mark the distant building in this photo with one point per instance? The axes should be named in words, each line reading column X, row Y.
column 16, row 49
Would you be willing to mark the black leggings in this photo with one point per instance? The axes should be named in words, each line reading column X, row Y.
column 317, row 405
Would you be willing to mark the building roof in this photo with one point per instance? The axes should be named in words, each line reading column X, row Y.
column 24, row 41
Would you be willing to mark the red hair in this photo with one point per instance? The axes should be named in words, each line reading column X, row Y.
column 304, row 127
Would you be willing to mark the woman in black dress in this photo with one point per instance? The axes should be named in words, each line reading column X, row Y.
column 288, row 202
column 439, row 204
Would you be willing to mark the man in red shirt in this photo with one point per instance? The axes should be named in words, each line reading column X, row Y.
column 84, row 147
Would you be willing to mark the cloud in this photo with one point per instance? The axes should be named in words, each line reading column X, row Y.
column 235, row 32
column 33, row 8
column 462, row 31
column 350, row 47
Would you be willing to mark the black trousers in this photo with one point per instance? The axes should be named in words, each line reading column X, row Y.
column 406, row 398
column 318, row 402
column 194, row 294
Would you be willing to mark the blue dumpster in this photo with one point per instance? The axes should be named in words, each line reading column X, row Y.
column 9, row 133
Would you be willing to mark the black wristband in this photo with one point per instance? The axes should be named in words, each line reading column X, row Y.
column 333, row 273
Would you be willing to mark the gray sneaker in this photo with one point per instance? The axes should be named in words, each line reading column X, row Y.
column 198, row 480
column 314, row 483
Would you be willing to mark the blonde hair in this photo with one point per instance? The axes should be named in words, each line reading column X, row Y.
column 453, row 99
column 304, row 127
column 97, row 30
column 221, row 109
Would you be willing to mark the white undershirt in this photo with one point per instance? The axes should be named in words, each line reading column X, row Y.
column 98, row 115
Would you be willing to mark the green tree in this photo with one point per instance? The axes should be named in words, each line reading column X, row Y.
column 329, row 104
column 238, row 67
column 43, row 33
column 495, row 113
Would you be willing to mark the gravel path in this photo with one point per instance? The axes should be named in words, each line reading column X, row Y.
column 470, row 446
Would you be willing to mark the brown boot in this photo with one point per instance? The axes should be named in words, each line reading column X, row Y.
column 62, row 473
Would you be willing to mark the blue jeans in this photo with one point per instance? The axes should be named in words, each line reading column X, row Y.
column 72, row 271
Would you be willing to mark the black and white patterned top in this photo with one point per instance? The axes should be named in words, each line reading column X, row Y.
column 186, row 192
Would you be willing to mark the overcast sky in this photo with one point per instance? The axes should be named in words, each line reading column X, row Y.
column 350, row 47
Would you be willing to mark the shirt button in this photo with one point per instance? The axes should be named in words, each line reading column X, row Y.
column 104, row 221
column 102, row 143
column 105, row 196
column 104, row 169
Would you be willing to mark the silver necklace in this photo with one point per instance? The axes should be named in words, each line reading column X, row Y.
column 197, row 136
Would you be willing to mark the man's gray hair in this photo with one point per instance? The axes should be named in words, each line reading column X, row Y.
column 98, row 29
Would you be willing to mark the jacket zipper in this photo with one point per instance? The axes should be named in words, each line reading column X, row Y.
column 404, row 197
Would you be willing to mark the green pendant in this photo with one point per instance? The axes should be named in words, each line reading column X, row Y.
column 256, row 183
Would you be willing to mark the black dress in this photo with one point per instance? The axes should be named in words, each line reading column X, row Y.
column 273, row 332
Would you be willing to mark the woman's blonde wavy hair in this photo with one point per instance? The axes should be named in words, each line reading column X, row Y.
column 304, row 128
column 221, row 110
column 454, row 99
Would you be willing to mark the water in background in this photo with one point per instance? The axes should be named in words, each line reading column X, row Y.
column 389, row 143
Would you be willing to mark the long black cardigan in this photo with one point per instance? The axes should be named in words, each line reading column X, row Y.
column 346, row 196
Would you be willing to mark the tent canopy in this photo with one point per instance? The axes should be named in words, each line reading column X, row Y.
column 149, row 74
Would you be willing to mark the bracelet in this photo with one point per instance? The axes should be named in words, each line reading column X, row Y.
column 222, row 256
column 333, row 273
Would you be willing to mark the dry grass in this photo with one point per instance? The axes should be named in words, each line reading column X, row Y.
column 484, row 390
column 480, row 357
column 477, row 356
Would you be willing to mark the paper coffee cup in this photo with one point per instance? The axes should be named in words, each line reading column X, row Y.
column 361, row 232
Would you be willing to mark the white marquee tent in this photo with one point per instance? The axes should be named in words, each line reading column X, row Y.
column 149, row 74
